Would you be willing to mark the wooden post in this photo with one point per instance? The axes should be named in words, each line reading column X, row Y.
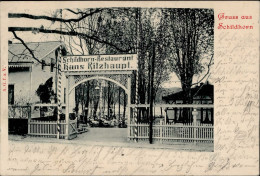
column 58, row 83
column 135, row 109
column 119, row 92
column 129, row 103
column 30, row 94
column 195, row 114
column 67, row 119
column 31, row 84
column 161, row 131
column 29, row 119
column 165, row 117
column 59, row 93
column 138, row 19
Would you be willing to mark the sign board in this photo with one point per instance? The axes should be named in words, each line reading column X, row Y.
column 100, row 62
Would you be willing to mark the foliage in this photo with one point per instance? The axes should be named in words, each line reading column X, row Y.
column 45, row 91
column 191, row 42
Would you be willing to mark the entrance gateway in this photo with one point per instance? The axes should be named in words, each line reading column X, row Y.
column 117, row 69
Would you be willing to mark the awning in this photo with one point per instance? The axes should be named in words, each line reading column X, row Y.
column 15, row 65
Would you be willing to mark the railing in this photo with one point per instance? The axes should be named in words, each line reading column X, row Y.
column 21, row 112
column 205, row 115
column 174, row 105
column 164, row 132
column 175, row 112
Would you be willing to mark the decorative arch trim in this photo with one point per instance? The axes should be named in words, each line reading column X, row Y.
column 97, row 78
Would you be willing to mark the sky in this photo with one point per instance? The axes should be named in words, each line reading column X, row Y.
column 29, row 36
column 39, row 37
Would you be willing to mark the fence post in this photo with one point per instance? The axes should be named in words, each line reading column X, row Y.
column 195, row 114
column 67, row 119
column 29, row 118
column 161, row 131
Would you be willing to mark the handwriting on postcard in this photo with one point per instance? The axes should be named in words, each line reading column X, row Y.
column 29, row 158
column 236, row 96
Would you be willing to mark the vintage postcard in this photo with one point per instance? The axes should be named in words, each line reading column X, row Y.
column 130, row 88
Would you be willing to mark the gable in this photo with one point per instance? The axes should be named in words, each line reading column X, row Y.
column 17, row 53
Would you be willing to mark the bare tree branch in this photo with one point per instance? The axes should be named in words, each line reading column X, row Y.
column 17, row 55
column 30, row 51
column 72, row 11
column 70, row 33
column 207, row 71
column 200, row 88
column 43, row 17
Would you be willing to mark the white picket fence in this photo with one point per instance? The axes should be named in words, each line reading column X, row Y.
column 165, row 133
column 46, row 129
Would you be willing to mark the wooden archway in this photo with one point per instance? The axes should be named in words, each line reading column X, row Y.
column 70, row 85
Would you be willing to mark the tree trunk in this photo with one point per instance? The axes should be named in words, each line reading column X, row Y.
column 149, row 89
column 87, row 102
column 152, row 97
column 187, row 99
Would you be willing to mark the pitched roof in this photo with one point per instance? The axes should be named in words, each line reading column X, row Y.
column 18, row 53
column 204, row 90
